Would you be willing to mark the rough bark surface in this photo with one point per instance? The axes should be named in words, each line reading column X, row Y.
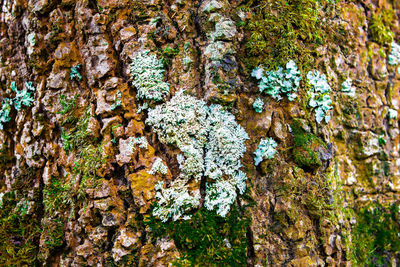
column 302, row 211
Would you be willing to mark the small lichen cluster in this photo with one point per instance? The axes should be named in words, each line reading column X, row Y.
column 118, row 100
column 23, row 97
column 32, row 39
column 276, row 83
column 347, row 88
column 158, row 167
column 174, row 202
column 74, row 72
column 320, row 99
column 266, row 150
column 392, row 113
column 258, row 105
column 141, row 142
column 394, row 56
column 212, row 144
column 182, row 122
column 147, row 73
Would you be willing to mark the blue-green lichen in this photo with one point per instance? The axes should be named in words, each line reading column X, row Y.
column 258, row 105
column 276, row 83
column 320, row 99
column 74, row 72
column 347, row 88
column 394, row 56
column 32, row 39
column 22, row 98
column 265, row 150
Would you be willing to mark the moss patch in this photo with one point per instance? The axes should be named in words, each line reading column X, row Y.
column 19, row 231
column 305, row 152
column 380, row 26
column 283, row 30
column 376, row 235
column 207, row 239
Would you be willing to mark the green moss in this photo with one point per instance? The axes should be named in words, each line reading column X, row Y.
column 310, row 191
column 19, row 232
column 89, row 152
column 54, row 234
column 376, row 235
column 167, row 54
column 305, row 144
column 90, row 161
column 56, row 195
column 283, row 30
column 76, row 137
column 380, row 24
column 68, row 105
column 207, row 239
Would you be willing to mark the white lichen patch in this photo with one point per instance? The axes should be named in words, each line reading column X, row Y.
column 212, row 145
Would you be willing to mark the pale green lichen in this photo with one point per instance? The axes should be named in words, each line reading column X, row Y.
column 75, row 72
column 265, row 150
column 32, row 39
column 220, row 196
column 347, row 88
column 212, row 144
column 394, row 56
column 182, row 122
column 212, row 6
column 141, row 142
column 276, row 83
column 147, row 73
column 258, row 105
column 142, row 108
column 5, row 112
column 225, row 29
column 319, row 99
column 392, row 113
column 158, row 167
column 174, row 202
column 22, row 98
column 117, row 101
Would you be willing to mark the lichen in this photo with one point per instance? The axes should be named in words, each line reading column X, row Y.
column 211, row 141
column 117, row 101
column 74, row 72
column 392, row 113
column 265, row 150
column 348, row 89
column 275, row 83
column 22, row 98
column 141, row 142
column 258, row 105
column 32, row 39
column 394, row 56
column 158, row 167
column 320, row 99
column 174, row 202
column 147, row 73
